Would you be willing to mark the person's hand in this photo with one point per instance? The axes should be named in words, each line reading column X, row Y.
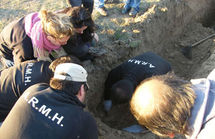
column 107, row 105
column 96, row 37
column 7, row 62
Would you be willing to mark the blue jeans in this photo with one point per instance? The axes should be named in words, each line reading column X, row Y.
column 132, row 4
column 99, row 3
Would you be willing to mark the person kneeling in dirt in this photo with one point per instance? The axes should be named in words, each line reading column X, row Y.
column 15, row 80
column 122, row 80
column 34, row 36
column 81, row 41
column 54, row 110
column 168, row 105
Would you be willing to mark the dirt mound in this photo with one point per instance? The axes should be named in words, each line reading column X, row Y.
column 162, row 27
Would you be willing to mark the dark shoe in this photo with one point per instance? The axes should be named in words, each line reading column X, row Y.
column 125, row 10
column 133, row 12
column 102, row 11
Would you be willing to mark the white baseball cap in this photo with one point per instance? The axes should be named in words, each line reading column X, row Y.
column 70, row 72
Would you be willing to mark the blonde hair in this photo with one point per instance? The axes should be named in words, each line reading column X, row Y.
column 55, row 25
column 170, row 104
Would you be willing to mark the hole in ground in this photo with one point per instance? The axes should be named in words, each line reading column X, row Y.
column 165, row 35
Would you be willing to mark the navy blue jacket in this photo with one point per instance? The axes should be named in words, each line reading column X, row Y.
column 14, row 43
column 44, row 113
column 136, row 70
column 15, row 80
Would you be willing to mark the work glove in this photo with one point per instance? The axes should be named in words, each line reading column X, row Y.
column 8, row 63
column 134, row 129
column 95, row 36
column 107, row 105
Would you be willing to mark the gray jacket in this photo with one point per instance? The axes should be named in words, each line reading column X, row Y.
column 202, row 120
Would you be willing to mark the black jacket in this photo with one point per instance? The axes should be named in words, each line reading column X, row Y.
column 136, row 70
column 15, row 80
column 14, row 43
column 45, row 113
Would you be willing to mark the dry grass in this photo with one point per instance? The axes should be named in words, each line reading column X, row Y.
column 114, row 27
column 14, row 9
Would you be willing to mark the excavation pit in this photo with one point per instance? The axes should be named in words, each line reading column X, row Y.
column 164, row 27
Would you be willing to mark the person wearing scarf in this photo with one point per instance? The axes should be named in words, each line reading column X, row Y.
column 34, row 36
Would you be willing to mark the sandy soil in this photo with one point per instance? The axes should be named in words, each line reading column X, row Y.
column 164, row 27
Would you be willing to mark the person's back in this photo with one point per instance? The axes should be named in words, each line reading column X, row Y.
column 15, row 80
column 47, row 113
column 144, row 66
column 54, row 110
column 136, row 70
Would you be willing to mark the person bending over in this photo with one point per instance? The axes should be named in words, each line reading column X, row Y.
column 34, row 36
column 122, row 80
column 15, row 80
column 54, row 110
column 83, row 34
column 168, row 105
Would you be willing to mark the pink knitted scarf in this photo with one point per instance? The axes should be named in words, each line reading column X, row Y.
column 33, row 28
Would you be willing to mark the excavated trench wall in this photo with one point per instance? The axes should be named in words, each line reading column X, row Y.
column 160, row 29
column 166, row 27
column 159, row 33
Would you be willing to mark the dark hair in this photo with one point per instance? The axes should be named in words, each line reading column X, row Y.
column 170, row 108
column 121, row 91
column 79, row 17
column 64, row 59
column 69, row 87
